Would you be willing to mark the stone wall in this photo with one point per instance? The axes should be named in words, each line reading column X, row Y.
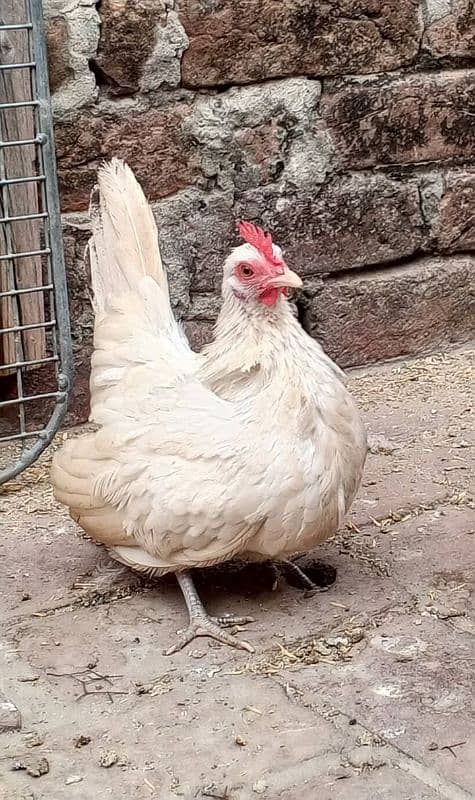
column 345, row 127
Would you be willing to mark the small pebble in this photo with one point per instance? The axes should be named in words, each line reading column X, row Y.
column 73, row 779
column 34, row 739
column 259, row 787
column 339, row 773
column 82, row 741
column 365, row 756
column 34, row 766
column 108, row 759
column 240, row 741
column 10, row 717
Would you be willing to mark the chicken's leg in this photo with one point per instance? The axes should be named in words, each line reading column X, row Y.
column 304, row 580
column 307, row 582
column 201, row 624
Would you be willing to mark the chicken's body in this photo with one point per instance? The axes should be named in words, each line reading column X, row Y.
column 253, row 449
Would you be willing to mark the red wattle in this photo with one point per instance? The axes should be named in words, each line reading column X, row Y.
column 270, row 296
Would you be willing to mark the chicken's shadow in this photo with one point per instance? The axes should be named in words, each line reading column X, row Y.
column 252, row 578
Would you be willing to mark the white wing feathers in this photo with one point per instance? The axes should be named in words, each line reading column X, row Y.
column 171, row 457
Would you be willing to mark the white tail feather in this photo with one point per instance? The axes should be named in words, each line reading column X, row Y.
column 135, row 329
column 124, row 244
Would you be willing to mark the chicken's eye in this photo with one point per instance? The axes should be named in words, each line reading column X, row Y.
column 247, row 271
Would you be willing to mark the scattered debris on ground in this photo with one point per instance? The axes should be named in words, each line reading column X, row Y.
column 363, row 690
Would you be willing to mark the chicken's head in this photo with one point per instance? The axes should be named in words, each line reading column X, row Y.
column 256, row 271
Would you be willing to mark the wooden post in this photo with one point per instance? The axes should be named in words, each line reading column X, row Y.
column 25, row 236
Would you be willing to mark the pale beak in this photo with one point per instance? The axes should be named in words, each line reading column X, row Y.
column 286, row 279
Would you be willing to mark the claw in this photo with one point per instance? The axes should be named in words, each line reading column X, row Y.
column 210, row 626
column 201, row 624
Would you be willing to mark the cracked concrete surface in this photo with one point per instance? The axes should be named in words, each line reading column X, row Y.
column 363, row 691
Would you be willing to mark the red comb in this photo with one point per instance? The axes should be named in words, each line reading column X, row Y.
column 259, row 239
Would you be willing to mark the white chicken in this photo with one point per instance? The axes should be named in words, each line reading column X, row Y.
column 251, row 449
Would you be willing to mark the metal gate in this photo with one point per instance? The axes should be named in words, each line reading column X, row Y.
column 35, row 338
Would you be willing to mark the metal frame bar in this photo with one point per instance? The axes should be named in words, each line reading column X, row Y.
column 33, row 326
column 25, row 65
column 19, row 104
column 32, row 398
column 31, row 289
column 34, row 362
column 22, row 26
column 51, row 252
column 15, row 181
column 26, row 254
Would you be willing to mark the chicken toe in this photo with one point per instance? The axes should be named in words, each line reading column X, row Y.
column 205, row 626
column 230, row 620
column 201, row 624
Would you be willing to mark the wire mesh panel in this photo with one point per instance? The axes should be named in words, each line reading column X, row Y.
column 35, row 341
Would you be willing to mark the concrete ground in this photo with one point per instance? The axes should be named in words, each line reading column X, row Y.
column 362, row 692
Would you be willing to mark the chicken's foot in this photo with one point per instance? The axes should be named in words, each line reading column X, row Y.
column 201, row 624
